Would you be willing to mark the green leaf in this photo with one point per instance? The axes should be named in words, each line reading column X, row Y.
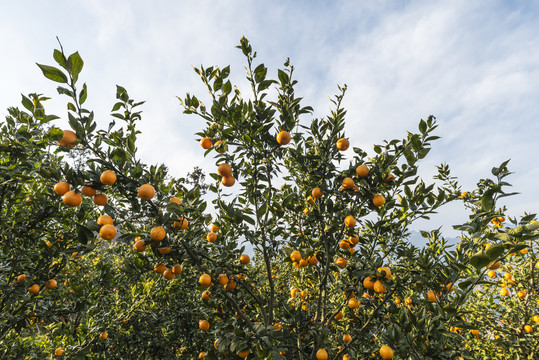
column 74, row 65
column 27, row 103
column 422, row 126
column 60, row 58
column 495, row 251
column 53, row 73
column 83, row 94
column 487, row 202
column 479, row 260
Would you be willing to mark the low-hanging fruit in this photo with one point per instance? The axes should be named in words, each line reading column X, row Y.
column 283, row 138
column 100, row 199
column 61, row 188
column 146, row 192
column 104, row 220
column 158, row 233
column 108, row 177
column 71, row 198
column 362, row 171
column 224, row 170
column 107, row 232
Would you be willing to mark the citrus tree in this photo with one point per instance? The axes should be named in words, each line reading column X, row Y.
column 303, row 253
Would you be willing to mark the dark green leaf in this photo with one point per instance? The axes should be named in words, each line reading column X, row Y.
column 53, row 73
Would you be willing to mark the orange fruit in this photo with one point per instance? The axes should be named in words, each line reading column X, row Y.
column 350, row 221
column 378, row 200
column 277, row 326
column 205, row 280
column 386, row 352
column 146, row 192
column 159, row 268
column 224, row 170
column 354, row 240
column 283, row 138
column 71, row 198
column 164, row 251
column 397, row 301
column 182, row 223
column 346, row 357
column 344, row 244
column 341, row 262
column 176, row 200
column 214, row 228
column 312, row 260
column 211, row 237
column 386, row 270
column 61, row 188
column 230, row 286
column 202, row 355
column 295, row 256
column 140, row 246
column 222, row 279
column 68, row 138
column 528, row 328
column 108, row 177
column 100, row 199
column 432, row 296
column 303, row 263
column 343, row 144
column 536, row 318
column 245, row 259
column 177, row 269
column 168, row 274
column 20, row 278
column 51, row 284
column 317, row 193
column 215, row 344
column 104, row 220
column 59, row 351
column 353, row 303
column 496, row 265
column 103, row 335
column 228, row 181
column 322, row 354
column 158, row 233
column 243, row 354
column 362, row 171
column 339, row 315
column 107, row 232
column 220, row 147
column 205, row 142
column 379, row 287
column 88, row 191
column 348, row 183
column 206, row 295
column 504, row 292
column 34, row 289
column 346, row 338
column 293, row 292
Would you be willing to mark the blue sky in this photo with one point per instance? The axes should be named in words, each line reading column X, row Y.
column 472, row 64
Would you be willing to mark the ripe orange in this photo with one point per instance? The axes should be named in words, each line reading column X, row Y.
column 528, row 328
column 88, row 191
column 378, row 200
column 379, row 287
column 350, row 221
column 140, row 246
column 496, row 265
column 158, row 233
column 202, row 355
column 362, row 171
column 61, row 188
column 346, row 357
column 20, row 278
column 386, row 352
column 107, row 232
column 339, row 315
column 243, row 354
column 159, row 268
column 293, row 292
column 348, row 183
column 205, row 280
column 71, row 198
column 317, row 193
column 432, row 296
column 182, row 223
column 177, row 269
column 176, row 200
column 206, row 295
column 104, row 220
column 344, row 244
column 214, row 228
column 164, row 250
column 224, row 170
column 346, row 338
column 353, row 303
column 100, row 199
column 341, row 262
column 536, row 318
column 230, row 286
column 34, row 289
column 283, row 138
column 168, row 274
column 211, row 237
column 343, row 144
column 146, row 192
column 222, row 279
column 220, row 147
column 228, row 181
column 322, row 354
column 386, row 270
column 295, row 256
column 312, row 260
column 103, row 335
column 277, row 326
column 59, row 351
column 245, row 259
column 354, row 240
column 108, row 177
column 205, row 142
column 51, row 284
column 504, row 292
column 68, row 138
